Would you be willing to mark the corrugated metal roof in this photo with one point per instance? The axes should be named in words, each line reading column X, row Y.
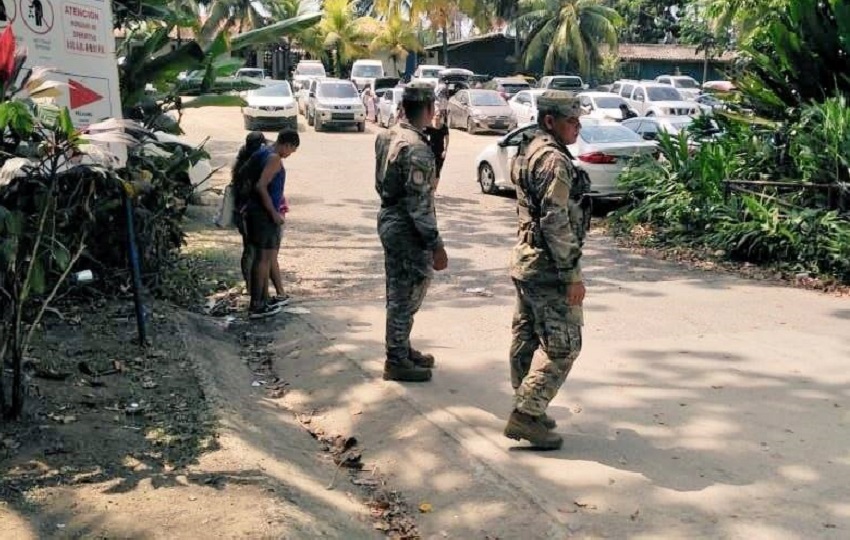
column 680, row 53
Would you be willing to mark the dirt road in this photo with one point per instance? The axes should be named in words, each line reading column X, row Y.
column 702, row 406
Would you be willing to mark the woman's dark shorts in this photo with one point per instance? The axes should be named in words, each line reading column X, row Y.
column 262, row 232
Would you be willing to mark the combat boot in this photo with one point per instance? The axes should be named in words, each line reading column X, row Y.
column 421, row 359
column 405, row 371
column 531, row 428
column 548, row 421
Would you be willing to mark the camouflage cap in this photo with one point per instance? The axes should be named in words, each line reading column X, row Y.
column 417, row 91
column 559, row 102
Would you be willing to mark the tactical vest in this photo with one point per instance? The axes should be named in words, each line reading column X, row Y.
column 532, row 149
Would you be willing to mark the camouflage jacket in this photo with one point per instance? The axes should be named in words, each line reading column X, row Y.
column 551, row 219
column 405, row 179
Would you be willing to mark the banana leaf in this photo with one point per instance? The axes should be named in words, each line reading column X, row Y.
column 273, row 32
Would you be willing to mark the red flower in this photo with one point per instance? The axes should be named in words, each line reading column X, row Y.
column 7, row 55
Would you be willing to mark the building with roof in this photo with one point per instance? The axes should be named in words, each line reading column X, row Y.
column 495, row 54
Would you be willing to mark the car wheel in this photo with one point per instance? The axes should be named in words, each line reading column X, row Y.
column 650, row 113
column 249, row 124
column 449, row 123
column 470, row 127
column 317, row 124
column 309, row 119
column 487, row 179
column 361, row 127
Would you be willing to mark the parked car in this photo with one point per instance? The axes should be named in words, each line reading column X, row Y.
column 376, row 90
column 648, row 128
column 428, row 73
column 271, row 105
column 508, row 87
column 708, row 104
column 302, row 96
column 688, row 87
column 363, row 72
column 602, row 105
column 655, row 99
column 480, row 110
column 603, row 150
column 306, row 70
column 524, row 105
column 336, row 102
column 388, row 107
column 254, row 73
column 562, row 82
column 312, row 85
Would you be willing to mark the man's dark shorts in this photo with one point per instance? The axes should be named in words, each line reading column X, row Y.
column 263, row 233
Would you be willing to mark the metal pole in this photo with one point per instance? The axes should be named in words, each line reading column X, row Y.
column 136, row 270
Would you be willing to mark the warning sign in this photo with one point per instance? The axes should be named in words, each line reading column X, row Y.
column 38, row 15
column 85, row 29
column 8, row 12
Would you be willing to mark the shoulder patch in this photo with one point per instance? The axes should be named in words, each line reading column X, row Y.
column 417, row 176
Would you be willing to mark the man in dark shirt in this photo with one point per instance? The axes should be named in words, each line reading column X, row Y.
column 438, row 140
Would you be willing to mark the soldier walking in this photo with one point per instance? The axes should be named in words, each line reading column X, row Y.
column 552, row 209
column 405, row 179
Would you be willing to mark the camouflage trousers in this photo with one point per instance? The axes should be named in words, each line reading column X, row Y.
column 546, row 342
column 407, row 285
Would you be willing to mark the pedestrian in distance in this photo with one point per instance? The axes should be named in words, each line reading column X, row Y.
column 553, row 209
column 264, row 220
column 438, row 140
column 405, row 179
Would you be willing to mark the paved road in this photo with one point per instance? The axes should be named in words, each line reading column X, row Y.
column 702, row 405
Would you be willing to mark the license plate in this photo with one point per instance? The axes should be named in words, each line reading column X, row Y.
column 343, row 116
column 499, row 125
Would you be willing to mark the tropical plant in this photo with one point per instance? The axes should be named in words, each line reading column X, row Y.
column 798, row 55
column 568, row 33
column 395, row 38
column 345, row 35
column 648, row 21
column 42, row 238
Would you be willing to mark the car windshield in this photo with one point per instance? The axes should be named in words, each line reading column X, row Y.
column 311, row 70
column 275, row 90
column 431, row 73
column 485, row 99
column 685, row 83
column 663, row 93
column 337, row 90
column 608, row 134
column 565, row 83
column 609, row 102
column 513, row 88
column 367, row 71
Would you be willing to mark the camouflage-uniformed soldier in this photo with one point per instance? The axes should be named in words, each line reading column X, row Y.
column 405, row 179
column 553, row 212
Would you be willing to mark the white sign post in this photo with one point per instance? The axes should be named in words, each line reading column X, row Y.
column 75, row 39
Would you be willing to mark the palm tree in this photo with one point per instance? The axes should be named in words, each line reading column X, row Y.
column 396, row 38
column 568, row 32
column 438, row 12
column 346, row 35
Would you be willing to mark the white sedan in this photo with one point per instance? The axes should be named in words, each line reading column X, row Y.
column 388, row 107
column 273, row 104
column 603, row 150
column 603, row 105
column 524, row 105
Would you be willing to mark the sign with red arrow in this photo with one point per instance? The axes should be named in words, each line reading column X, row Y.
column 81, row 95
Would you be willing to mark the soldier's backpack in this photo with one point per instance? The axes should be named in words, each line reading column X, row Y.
column 247, row 177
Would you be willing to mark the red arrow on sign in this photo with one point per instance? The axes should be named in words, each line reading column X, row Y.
column 82, row 95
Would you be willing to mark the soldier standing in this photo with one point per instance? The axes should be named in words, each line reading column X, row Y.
column 405, row 178
column 552, row 209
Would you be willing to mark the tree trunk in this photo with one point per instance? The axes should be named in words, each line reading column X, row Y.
column 445, row 44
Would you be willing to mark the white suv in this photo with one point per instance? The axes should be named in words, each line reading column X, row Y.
column 656, row 99
column 687, row 86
